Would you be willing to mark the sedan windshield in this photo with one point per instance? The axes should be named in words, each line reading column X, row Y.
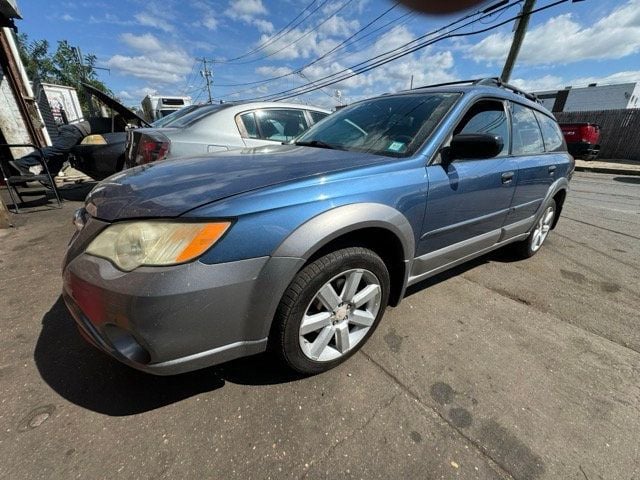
column 394, row 126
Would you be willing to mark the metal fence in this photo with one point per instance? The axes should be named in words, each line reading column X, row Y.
column 620, row 130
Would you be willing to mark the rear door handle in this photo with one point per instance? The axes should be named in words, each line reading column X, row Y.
column 507, row 177
column 552, row 169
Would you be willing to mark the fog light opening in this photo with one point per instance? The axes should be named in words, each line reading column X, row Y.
column 126, row 345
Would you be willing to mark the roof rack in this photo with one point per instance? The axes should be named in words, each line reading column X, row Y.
column 491, row 81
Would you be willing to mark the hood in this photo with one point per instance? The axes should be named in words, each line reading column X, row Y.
column 114, row 105
column 172, row 187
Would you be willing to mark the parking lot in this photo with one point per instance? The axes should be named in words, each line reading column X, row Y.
column 498, row 369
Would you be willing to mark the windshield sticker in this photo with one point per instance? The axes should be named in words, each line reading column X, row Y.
column 396, row 146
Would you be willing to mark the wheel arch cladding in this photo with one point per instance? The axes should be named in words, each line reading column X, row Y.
column 559, row 197
column 375, row 226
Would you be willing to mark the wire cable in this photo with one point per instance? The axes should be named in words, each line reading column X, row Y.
column 281, row 96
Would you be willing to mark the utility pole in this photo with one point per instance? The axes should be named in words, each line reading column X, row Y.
column 518, row 37
column 207, row 74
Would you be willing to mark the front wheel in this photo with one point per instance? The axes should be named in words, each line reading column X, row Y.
column 330, row 309
column 529, row 247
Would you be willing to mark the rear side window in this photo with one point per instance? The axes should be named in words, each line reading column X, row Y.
column 551, row 134
column 249, row 122
column 527, row 138
column 487, row 116
column 280, row 125
column 317, row 116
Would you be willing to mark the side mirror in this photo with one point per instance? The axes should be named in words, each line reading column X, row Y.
column 474, row 146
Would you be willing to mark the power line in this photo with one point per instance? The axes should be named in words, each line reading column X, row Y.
column 428, row 34
column 324, row 55
column 304, row 35
column 283, row 31
column 282, row 96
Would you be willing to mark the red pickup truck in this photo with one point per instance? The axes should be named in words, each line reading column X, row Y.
column 583, row 139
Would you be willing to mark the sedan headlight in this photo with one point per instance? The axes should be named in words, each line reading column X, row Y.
column 155, row 243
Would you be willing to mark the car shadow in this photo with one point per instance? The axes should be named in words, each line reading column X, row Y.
column 77, row 191
column 632, row 180
column 502, row 255
column 91, row 379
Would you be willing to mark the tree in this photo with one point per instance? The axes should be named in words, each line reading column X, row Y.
column 62, row 67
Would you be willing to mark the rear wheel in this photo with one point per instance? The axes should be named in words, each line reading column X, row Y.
column 330, row 309
column 529, row 247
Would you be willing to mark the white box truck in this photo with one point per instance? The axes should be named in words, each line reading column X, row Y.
column 155, row 107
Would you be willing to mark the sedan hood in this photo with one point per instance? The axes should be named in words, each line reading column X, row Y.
column 173, row 187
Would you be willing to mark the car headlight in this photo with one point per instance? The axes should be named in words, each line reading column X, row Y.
column 94, row 140
column 130, row 245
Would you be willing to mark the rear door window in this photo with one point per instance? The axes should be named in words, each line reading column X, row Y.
column 551, row 134
column 527, row 137
column 487, row 116
column 280, row 125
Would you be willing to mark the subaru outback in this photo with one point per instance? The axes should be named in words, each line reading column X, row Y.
column 179, row 265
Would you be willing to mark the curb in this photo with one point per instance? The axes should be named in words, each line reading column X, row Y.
column 613, row 171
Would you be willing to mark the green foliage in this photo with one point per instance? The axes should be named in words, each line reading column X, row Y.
column 61, row 67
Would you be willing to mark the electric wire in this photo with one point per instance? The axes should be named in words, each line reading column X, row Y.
column 323, row 56
column 304, row 35
column 282, row 95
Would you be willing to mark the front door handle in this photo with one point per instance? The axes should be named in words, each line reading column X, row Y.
column 552, row 169
column 507, row 177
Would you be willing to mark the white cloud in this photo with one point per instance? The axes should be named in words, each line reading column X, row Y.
column 208, row 15
column 551, row 82
column 154, row 60
column 110, row 19
column 263, row 26
column 143, row 43
column 426, row 66
column 67, row 18
column 269, row 71
column 248, row 11
column 149, row 19
column 562, row 40
column 337, row 26
column 246, row 8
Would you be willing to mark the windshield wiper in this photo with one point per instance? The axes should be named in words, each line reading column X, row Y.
column 318, row 144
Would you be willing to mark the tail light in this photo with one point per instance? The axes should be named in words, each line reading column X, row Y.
column 151, row 148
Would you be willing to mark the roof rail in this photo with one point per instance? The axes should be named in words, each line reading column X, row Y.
column 497, row 82
column 490, row 81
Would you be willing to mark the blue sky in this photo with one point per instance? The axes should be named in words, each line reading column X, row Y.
column 152, row 45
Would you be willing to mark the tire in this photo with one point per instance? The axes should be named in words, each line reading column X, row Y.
column 316, row 327
column 532, row 244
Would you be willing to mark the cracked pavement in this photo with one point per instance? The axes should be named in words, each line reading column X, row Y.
column 497, row 369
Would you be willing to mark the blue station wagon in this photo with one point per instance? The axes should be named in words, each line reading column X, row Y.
column 178, row 265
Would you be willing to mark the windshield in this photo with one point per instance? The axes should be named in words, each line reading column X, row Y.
column 164, row 121
column 197, row 115
column 394, row 126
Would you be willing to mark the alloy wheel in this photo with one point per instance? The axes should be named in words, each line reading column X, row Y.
column 340, row 315
column 542, row 229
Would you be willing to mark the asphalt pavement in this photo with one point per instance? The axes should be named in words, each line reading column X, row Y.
column 499, row 369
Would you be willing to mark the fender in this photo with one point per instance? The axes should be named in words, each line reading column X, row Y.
column 322, row 229
column 290, row 256
column 560, row 184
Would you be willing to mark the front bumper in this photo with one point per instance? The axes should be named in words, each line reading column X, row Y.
column 169, row 320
